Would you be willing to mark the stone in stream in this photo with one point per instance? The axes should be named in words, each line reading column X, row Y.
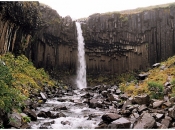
column 59, row 108
column 42, row 114
column 121, row 123
column 65, row 122
column 43, row 96
column 57, row 115
column 30, row 113
column 145, row 121
column 93, row 103
column 109, row 117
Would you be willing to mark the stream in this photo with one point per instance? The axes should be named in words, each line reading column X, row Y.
column 78, row 114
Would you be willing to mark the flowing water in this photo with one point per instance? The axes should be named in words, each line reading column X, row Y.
column 81, row 71
column 77, row 113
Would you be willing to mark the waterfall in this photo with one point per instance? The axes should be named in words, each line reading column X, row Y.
column 81, row 71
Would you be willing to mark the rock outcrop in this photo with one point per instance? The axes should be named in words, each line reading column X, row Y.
column 114, row 42
column 39, row 32
column 130, row 40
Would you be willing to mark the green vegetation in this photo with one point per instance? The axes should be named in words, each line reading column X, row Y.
column 156, row 90
column 154, row 83
column 19, row 78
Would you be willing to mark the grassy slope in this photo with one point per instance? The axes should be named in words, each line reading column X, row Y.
column 23, row 79
column 157, row 78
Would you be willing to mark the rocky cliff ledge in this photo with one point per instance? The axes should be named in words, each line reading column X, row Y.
column 130, row 40
column 40, row 33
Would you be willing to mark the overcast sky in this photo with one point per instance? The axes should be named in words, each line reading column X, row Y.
column 83, row 8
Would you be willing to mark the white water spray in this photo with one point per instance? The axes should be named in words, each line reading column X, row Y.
column 81, row 71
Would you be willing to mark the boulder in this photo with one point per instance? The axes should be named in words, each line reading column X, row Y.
column 146, row 121
column 171, row 112
column 157, row 103
column 57, row 115
column 15, row 120
column 42, row 114
column 93, row 103
column 30, row 113
column 143, row 99
column 166, row 122
column 121, row 123
column 109, row 117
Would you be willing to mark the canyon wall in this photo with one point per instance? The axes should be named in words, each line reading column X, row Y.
column 129, row 40
column 114, row 42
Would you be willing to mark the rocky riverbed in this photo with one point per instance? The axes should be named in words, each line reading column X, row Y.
column 102, row 106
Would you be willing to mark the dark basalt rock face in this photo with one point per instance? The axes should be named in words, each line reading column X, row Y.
column 114, row 42
column 40, row 33
column 127, row 41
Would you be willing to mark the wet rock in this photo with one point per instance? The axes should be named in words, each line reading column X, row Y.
column 143, row 76
column 172, row 99
column 49, row 123
column 30, row 113
column 156, row 65
column 146, row 121
column 109, row 117
column 59, row 108
column 65, row 122
column 93, row 103
column 143, row 99
column 15, row 120
column 121, row 123
column 57, row 115
column 88, row 95
column 62, row 100
column 101, row 125
column 42, row 114
column 43, row 96
column 167, row 104
column 157, row 103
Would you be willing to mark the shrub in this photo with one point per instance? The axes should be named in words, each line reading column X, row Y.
column 156, row 90
column 9, row 97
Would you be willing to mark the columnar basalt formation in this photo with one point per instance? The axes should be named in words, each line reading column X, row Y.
column 129, row 40
column 115, row 42
column 40, row 33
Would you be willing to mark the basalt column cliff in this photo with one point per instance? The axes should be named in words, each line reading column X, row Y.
column 40, row 33
column 129, row 40
column 114, row 42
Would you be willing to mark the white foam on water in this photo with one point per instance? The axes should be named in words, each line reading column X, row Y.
column 75, row 123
